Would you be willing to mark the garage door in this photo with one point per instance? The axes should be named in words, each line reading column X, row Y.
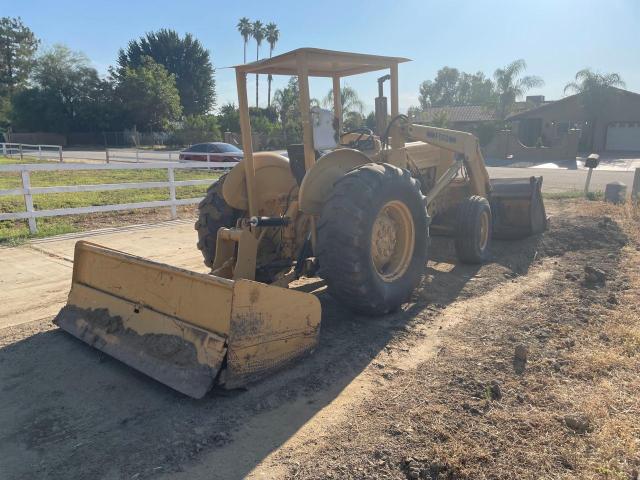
column 624, row 136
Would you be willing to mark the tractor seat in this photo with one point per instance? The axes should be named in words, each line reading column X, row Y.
column 295, row 152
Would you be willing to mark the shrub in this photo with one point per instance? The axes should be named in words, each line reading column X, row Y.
column 196, row 129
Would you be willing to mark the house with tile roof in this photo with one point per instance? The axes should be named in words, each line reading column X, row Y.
column 616, row 129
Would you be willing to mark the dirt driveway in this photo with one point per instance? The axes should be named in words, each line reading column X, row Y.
column 380, row 397
column 36, row 276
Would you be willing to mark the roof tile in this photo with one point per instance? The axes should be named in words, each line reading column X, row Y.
column 458, row 113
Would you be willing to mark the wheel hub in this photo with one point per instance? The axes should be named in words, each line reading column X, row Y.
column 392, row 240
column 484, row 230
column 384, row 238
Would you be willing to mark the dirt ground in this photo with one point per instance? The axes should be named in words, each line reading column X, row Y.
column 36, row 276
column 526, row 367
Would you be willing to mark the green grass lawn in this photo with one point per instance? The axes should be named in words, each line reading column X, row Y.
column 12, row 231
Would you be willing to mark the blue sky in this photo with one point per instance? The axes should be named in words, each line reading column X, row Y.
column 555, row 37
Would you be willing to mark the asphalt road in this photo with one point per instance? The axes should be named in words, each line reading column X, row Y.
column 555, row 179
column 558, row 180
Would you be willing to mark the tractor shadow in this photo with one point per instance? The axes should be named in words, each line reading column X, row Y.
column 70, row 412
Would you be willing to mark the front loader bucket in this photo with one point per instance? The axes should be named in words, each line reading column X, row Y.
column 185, row 329
column 517, row 207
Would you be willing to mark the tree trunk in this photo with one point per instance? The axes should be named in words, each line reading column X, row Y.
column 245, row 52
column 257, row 58
column 284, row 129
column 269, row 79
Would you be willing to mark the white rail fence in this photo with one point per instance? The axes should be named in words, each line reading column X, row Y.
column 43, row 152
column 138, row 156
column 116, row 155
column 27, row 191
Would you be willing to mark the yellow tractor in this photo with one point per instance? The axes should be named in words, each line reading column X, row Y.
column 353, row 208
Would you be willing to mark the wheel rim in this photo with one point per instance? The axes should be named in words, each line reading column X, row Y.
column 392, row 241
column 484, row 230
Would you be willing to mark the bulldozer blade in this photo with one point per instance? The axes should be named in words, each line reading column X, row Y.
column 182, row 328
column 168, row 358
column 517, row 207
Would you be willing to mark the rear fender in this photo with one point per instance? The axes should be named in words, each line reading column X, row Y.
column 319, row 181
column 273, row 179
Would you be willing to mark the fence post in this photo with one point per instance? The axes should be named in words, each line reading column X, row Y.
column 587, row 182
column 137, row 157
column 4, row 149
column 28, row 199
column 635, row 190
column 39, row 152
column 172, row 193
column 60, row 153
column 20, row 150
column 169, row 156
column 208, row 161
column 106, row 153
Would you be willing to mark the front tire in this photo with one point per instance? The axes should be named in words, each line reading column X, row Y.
column 473, row 230
column 373, row 238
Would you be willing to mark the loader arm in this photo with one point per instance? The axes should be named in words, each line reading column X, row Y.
column 516, row 203
column 462, row 143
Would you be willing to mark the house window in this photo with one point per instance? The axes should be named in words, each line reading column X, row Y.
column 562, row 128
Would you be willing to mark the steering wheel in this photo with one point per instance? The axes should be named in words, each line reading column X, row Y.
column 360, row 144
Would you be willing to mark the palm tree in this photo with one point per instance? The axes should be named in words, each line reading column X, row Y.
column 285, row 101
column 594, row 89
column 258, row 32
column 245, row 28
column 273, row 35
column 509, row 87
column 349, row 100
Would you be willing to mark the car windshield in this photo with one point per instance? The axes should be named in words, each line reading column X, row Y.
column 227, row 148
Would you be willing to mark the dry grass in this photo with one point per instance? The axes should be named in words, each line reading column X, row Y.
column 584, row 360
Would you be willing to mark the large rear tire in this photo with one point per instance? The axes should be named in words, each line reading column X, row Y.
column 473, row 230
column 373, row 238
column 213, row 213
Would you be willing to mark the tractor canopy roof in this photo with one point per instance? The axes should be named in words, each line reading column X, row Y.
column 321, row 63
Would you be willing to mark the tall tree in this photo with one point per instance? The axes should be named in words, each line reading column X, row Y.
column 66, row 95
column 183, row 57
column 18, row 45
column 150, row 95
column 229, row 118
column 350, row 101
column 510, row 85
column 258, row 33
column 245, row 27
column 595, row 90
column 67, row 77
column 285, row 101
column 475, row 89
column 196, row 128
column 452, row 87
column 5, row 113
column 442, row 90
column 273, row 35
